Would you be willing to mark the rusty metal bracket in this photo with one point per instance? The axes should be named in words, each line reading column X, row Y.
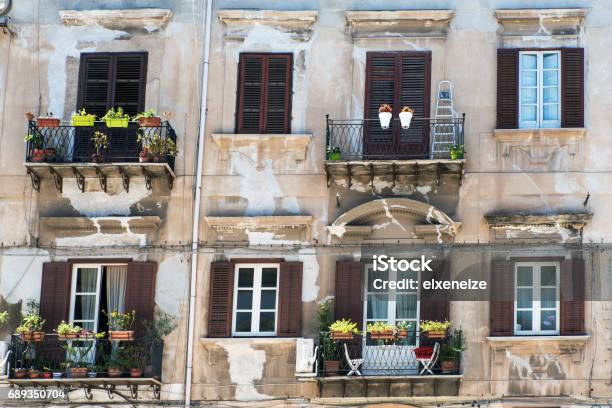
column 134, row 391
column 156, row 391
column 110, row 389
column 170, row 178
column 147, row 177
column 101, row 178
column 350, row 176
column 394, row 172
column 438, row 173
column 57, row 179
column 79, row 179
column 35, row 179
column 461, row 174
column 416, row 173
column 371, row 175
column 125, row 178
column 327, row 175
column 88, row 393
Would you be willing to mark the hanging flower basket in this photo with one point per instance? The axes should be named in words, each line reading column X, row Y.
column 406, row 117
column 385, row 115
column 83, row 120
column 124, row 335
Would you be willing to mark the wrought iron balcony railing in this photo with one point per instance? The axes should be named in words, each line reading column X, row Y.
column 398, row 354
column 365, row 139
column 73, row 144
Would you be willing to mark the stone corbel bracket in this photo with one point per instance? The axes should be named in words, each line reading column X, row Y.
column 276, row 145
column 240, row 22
column 147, row 19
column 531, row 345
column 540, row 22
column 401, row 23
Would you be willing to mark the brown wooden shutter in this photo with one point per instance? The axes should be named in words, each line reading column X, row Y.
column 507, row 88
column 572, row 87
column 501, row 284
column 572, row 297
column 264, row 93
column 290, row 299
column 221, row 299
column 434, row 304
column 349, row 291
column 55, row 293
column 95, row 83
column 140, row 292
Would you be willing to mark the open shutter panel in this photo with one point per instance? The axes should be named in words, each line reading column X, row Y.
column 414, row 91
column 278, row 93
column 507, row 88
column 572, row 297
column 572, row 87
column 349, row 291
column 140, row 292
column 55, row 293
column 290, row 299
column 434, row 304
column 221, row 299
column 502, row 298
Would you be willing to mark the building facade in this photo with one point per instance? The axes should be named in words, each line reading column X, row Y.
column 501, row 176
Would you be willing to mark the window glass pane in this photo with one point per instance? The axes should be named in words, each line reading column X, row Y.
column 524, row 298
column 86, row 325
column 372, row 276
column 87, row 280
column 549, row 297
column 551, row 112
column 243, row 321
column 551, row 94
column 529, row 78
column 268, row 299
column 548, row 275
column 266, row 322
column 245, row 299
column 408, row 275
column 245, row 277
column 548, row 320
column 523, row 320
column 377, row 307
column 524, row 276
column 529, row 95
column 84, row 307
column 529, row 61
column 551, row 61
column 528, row 113
column 268, row 277
column 551, row 78
column 405, row 306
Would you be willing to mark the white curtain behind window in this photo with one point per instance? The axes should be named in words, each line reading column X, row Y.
column 116, row 277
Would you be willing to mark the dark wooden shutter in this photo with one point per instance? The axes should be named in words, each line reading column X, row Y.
column 507, row 88
column 130, row 82
column 501, row 286
column 572, row 87
column 349, row 291
column 221, row 299
column 55, row 293
column 572, row 297
column 434, row 304
column 290, row 299
column 264, row 93
column 95, row 83
column 140, row 292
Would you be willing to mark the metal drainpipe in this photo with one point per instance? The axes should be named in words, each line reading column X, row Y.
column 207, row 21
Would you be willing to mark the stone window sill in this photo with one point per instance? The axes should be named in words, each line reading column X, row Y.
column 572, row 345
column 506, row 135
column 249, row 340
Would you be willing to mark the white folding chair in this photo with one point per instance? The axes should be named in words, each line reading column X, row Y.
column 429, row 362
column 353, row 363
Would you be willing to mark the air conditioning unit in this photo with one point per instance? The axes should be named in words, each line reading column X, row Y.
column 5, row 25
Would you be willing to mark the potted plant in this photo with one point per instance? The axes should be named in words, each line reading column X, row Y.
column 456, row 152
column 100, row 141
column 82, row 118
column 77, row 358
column 47, row 121
column 30, row 116
column 46, row 373
column 114, row 368
column 33, row 373
column 154, row 332
column 119, row 325
column 329, row 351
column 343, row 329
column 403, row 328
column 37, row 140
column 66, row 331
column 434, row 329
column 134, row 358
column 148, row 118
column 31, row 324
column 20, row 372
column 160, row 148
column 406, row 116
column 93, row 371
column 333, row 153
column 116, row 118
column 384, row 115
column 450, row 353
column 381, row 331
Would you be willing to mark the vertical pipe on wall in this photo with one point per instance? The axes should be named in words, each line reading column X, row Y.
column 207, row 21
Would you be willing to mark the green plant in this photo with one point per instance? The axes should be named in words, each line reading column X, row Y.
column 324, row 315
column 31, row 320
column 456, row 151
column 4, row 316
column 344, row 326
column 146, row 114
column 100, row 140
column 162, row 325
column 328, row 346
column 405, row 325
column 82, row 113
column 379, row 327
column 120, row 321
column 100, row 335
column 66, row 328
column 433, row 326
column 78, row 354
column 455, row 346
column 115, row 114
column 133, row 356
column 36, row 139
column 22, row 329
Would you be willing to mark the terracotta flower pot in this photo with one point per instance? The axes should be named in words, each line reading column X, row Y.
column 402, row 333
column 135, row 372
column 38, row 336
column 47, row 122
column 69, row 336
column 159, row 159
column 331, row 367
column 46, row 375
column 29, row 336
column 96, row 158
column 125, row 335
column 20, row 373
column 437, row 334
column 382, row 335
column 448, row 366
column 33, row 374
column 38, row 155
column 78, row 372
column 338, row 335
column 154, row 121
column 114, row 372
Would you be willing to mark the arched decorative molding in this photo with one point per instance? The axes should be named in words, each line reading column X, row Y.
column 415, row 220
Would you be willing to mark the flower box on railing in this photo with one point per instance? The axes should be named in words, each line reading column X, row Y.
column 124, row 335
column 338, row 335
column 423, row 352
column 117, row 122
column 382, row 335
column 83, row 121
column 153, row 121
column 47, row 122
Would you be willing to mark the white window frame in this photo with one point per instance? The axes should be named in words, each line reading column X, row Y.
column 536, row 308
column 256, row 299
column 539, row 122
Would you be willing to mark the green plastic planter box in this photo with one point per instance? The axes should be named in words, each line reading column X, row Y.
column 117, row 123
column 83, row 120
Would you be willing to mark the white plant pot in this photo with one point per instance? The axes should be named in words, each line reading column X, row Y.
column 405, row 118
column 385, row 119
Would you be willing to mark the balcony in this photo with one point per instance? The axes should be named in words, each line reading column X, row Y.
column 68, row 152
column 391, row 366
column 117, row 367
column 360, row 148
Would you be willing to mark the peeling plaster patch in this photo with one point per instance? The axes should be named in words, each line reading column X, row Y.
column 100, row 239
column 245, row 367
column 291, row 205
column 514, row 231
column 337, row 230
column 21, row 273
column 172, row 288
column 269, row 238
column 99, row 203
column 310, row 289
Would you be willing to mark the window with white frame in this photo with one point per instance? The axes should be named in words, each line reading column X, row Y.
column 255, row 300
column 536, row 298
column 539, row 90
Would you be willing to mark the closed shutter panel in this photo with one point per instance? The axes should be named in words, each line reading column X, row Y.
column 414, row 91
column 221, row 298
column 507, row 88
column 572, row 87
column 130, row 82
column 381, row 85
column 502, row 298
column 278, row 98
column 95, row 83
column 572, row 296
column 434, row 304
column 349, row 291
column 55, row 293
column 140, row 292
column 290, row 299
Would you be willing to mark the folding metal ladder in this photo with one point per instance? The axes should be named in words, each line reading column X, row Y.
column 443, row 131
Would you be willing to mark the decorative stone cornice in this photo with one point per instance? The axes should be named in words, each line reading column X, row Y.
column 571, row 220
column 262, row 223
column 149, row 19
column 572, row 345
column 406, row 23
column 239, row 22
column 294, row 145
column 544, row 22
column 105, row 225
